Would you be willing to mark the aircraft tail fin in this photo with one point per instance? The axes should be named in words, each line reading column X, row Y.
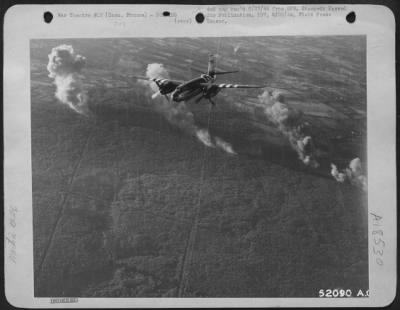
column 211, row 65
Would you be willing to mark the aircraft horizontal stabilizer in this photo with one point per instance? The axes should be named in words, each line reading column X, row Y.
column 224, row 72
column 214, row 72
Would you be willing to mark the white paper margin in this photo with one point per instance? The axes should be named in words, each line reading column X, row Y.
column 25, row 22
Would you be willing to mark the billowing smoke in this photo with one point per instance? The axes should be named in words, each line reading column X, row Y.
column 354, row 174
column 204, row 136
column 177, row 113
column 155, row 70
column 236, row 48
column 64, row 67
column 290, row 123
column 222, row 144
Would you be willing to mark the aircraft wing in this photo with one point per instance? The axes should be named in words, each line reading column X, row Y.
column 159, row 80
column 245, row 86
column 233, row 85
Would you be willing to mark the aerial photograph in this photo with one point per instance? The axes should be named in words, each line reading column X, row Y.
column 199, row 166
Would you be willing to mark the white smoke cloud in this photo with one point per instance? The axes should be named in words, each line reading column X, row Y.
column 204, row 136
column 177, row 113
column 353, row 173
column 289, row 122
column 236, row 48
column 64, row 67
column 154, row 70
column 340, row 176
column 222, row 144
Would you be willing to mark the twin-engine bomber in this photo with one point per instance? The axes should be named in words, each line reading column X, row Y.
column 202, row 87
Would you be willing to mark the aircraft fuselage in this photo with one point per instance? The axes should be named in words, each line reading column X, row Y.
column 191, row 89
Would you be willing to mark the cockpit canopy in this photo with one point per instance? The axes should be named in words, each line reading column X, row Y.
column 206, row 77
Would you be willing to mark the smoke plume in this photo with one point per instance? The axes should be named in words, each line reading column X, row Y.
column 290, row 123
column 223, row 145
column 154, row 70
column 64, row 67
column 177, row 113
column 236, row 48
column 354, row 174
column 204, row 136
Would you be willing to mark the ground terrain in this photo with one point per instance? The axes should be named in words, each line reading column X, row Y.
column 126, row 204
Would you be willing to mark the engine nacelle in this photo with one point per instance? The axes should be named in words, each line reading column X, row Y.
column 166, row 87
column 212, row 91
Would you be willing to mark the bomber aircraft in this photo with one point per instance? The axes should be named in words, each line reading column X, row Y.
column 203, row 86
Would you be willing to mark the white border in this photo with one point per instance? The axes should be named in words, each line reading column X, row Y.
column 25, row 22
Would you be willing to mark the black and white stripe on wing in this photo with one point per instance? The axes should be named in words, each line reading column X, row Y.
column 239, row 86
column 156, row 80
column 231, row 85
column 161, row 81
